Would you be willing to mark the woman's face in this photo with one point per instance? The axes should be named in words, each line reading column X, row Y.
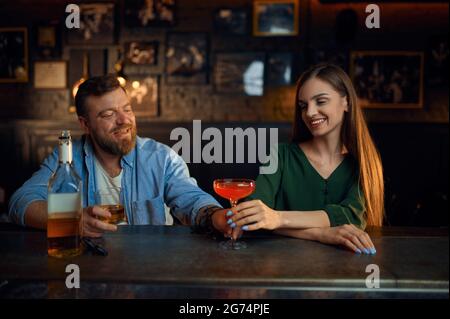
column 322, row 107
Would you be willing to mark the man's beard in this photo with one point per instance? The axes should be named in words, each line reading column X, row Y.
column 121, row 147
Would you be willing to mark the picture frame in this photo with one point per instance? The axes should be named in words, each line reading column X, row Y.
column 388, row 79
column 97, row 24
column 231, row 21
column 239, row 73
column 50, row 74
column 143, row 91
column 48, row 40
column 141, row 52
column 275, row 17
column 149, row 13
column 13, row 55
column 279, row 69
column 187, row 58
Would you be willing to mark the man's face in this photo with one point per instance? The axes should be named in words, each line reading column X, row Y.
column 110, row 122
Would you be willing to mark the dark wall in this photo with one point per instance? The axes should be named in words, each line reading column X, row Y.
column 327, row 31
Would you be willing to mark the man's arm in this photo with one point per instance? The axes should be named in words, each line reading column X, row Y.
column 212, row 220
column 181, row 192
column 36, row 214
column 26, row 204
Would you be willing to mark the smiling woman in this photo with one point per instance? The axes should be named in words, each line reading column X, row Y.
column 321, row 188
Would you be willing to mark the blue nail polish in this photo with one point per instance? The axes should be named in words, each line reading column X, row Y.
column 373, row 251
column 358, row 251
column 233, row 225
column 245, row 227
column 229, row 221
column 229, row 213
column 366, row 251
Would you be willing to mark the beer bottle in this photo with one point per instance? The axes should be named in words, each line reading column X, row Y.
column 64, row 204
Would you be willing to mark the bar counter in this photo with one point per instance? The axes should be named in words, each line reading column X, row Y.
column 174, row 262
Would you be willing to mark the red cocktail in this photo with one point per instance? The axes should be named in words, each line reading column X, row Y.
column 234, row 189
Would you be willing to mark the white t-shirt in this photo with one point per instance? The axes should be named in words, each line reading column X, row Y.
column 104, row 183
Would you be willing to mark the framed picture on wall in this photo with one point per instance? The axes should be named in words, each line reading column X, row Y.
column 388, row 79
column 232, row 21
column 13, row 55
column 241, row 73
column 96, row 25
column 48, row 41
column 149, row 13
column 141, row 53
column 187, row 58
column 275, row 17
column 50, row 74
column 279, row 69
column 143, row 91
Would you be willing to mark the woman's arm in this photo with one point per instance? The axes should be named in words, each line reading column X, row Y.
column 348, row 236
column 258, row 214
column 253, row 215
column 311, row 225
column 309, row 234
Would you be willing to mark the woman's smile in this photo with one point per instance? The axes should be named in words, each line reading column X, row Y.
column 317, row 122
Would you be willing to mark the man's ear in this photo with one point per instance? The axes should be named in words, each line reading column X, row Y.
column 84, row 124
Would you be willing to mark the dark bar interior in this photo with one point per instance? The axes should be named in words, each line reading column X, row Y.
column 192, row 71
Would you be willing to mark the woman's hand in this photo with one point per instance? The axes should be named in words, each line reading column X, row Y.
column 349, row 236
column 253, row 215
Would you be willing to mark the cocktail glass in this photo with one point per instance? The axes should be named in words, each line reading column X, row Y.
column 234, row 189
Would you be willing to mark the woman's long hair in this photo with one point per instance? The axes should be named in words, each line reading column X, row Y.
column 355, row 137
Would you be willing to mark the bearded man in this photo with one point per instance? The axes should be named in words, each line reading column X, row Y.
column 151, row 176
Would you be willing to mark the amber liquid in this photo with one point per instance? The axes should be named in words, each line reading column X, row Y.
column 117, row 214
column 63, row 235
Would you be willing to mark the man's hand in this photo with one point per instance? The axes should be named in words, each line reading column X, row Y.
column 92, row 225
column 219, row 221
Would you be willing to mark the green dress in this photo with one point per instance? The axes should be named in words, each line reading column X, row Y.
column 297, row 186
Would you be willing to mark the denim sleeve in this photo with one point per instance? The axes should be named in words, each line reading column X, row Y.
column 181, row 192
column 32, row 190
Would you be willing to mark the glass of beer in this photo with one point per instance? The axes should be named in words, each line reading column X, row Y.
column 110, row 199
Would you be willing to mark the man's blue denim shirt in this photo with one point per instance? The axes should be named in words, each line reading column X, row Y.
column 153, row 175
